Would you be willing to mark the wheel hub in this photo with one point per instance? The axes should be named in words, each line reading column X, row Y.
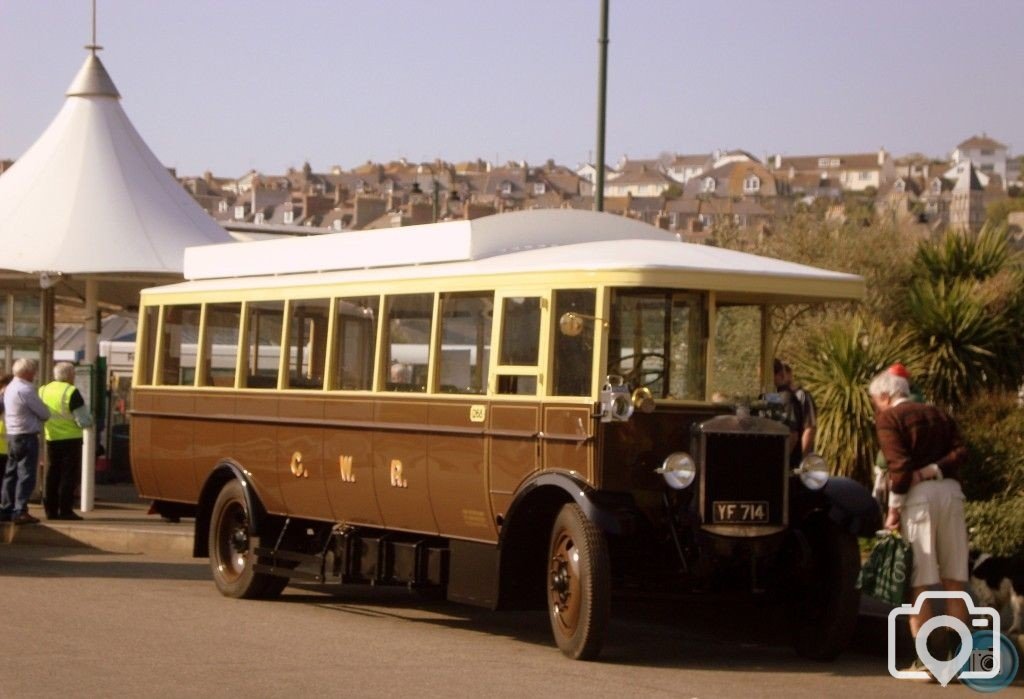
column 560, row 581
column 239, row 541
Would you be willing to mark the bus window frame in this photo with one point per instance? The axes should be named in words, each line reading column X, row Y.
column 286, row 348
column 242, row 368
column 440, row 297
column 543, row 367
column 381, row 375
column 158, row 361
column 205, row 347
column 542, row 372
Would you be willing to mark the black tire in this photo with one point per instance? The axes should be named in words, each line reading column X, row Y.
column 825, row 616
column 578, row 584
column 232, row 549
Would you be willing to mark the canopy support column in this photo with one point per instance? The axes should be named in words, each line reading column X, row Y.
column 92, row 344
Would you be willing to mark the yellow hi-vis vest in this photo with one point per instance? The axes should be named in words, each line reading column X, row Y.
column 56, row 396
column 3, row 437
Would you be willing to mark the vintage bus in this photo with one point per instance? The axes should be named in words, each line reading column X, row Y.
column 515, row 410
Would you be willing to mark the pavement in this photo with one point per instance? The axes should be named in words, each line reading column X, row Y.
column 119, row 523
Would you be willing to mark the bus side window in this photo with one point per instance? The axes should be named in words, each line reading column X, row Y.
column 220, row 349
column 307, row 344
column 520, row 346
column 573, row 354
column 355, row 329
column 520, row 331
column 181, row 336
column 737, row 357
column 263, row 343
column 147, row 350
column 465, row 341
column 406, row 347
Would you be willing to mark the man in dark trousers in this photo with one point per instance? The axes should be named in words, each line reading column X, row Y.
column 24, row 414
column 924, row 450
column 68, row 415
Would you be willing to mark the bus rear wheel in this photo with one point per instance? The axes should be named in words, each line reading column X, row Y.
column 232, row 549
column 578, row 584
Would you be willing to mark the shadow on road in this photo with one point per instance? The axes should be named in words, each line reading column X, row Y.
column 83, row 562
column 682, row 632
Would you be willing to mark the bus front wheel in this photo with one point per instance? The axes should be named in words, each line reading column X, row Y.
column 232, row 549
column 578, row 584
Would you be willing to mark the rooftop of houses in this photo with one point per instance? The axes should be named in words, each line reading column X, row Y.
column 981, row 142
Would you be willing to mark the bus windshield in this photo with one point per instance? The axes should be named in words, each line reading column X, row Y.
column 657, row 340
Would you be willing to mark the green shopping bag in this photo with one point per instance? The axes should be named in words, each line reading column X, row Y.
column 886, row 573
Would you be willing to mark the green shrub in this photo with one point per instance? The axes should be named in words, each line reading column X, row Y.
column 993, row 427
column 997, row 526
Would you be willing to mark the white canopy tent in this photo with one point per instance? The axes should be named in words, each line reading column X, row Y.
column 90, row 210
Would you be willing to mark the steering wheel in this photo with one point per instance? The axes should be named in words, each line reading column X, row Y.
column 639, row 376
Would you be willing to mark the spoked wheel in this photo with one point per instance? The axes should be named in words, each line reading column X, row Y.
column 232, row 549
column 578, row 584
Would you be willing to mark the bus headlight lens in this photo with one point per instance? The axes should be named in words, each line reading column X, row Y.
column 813, row 472
column 679, row 470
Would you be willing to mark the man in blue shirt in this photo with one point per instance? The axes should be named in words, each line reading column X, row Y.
column 24, row 415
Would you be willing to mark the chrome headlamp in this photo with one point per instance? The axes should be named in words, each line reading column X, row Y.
column 813, row 472
column 679, row 470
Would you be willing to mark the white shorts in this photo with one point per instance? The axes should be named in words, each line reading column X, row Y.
column 932, row 522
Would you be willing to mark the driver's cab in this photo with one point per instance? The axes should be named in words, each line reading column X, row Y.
column 677, row 346
column 657, row 340
column 670, row 359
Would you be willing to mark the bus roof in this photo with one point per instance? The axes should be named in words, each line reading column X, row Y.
column 538, row 241
column 451, row 241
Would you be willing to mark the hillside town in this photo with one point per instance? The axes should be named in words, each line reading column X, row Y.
column 691, row 194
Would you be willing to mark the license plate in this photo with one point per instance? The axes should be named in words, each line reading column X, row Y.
column 740, row 511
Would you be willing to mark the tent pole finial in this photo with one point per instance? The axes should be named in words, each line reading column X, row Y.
column 93, row 46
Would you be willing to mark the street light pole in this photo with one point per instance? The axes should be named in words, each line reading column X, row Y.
column 602, row 80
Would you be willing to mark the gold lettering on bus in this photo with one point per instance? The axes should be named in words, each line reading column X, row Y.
column 345, row 466
column 397, row 481
column 474, row 518
column 297, row 468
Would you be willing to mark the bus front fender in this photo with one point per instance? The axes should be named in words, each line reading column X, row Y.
column 223, row 473
column 564, row 486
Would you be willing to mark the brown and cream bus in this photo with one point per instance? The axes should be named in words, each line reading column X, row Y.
column 515, row 410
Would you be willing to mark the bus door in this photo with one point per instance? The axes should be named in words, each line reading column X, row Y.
column 517, row 380
column 457, row 447
column 568, row 427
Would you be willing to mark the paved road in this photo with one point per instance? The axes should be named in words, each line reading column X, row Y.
column 76, row 622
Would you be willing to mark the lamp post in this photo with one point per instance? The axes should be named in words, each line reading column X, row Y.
column 602, row 80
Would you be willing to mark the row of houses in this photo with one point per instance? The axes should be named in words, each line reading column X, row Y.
column 686, row 193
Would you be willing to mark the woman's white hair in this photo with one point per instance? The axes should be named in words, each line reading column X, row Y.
column 64, row 371
column 24, row 365
column 886, row 384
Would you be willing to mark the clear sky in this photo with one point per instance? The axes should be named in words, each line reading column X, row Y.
column 229, row 85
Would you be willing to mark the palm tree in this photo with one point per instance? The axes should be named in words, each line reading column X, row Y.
column 966, row 308
column 837, row 367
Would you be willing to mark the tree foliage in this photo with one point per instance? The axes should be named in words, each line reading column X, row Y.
column 838, row 363
column 966, row 307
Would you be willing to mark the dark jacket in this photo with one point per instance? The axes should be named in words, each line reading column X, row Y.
column 914, row 435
